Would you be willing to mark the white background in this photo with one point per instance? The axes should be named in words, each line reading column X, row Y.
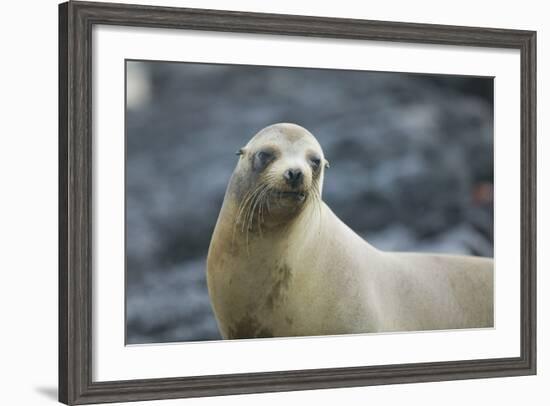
column 28, row 204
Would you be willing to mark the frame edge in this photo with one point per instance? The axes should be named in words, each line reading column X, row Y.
column 75, row 379
column 64, row 381
column 529, row 200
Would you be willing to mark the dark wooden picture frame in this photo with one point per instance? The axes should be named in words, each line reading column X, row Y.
column 76, row 20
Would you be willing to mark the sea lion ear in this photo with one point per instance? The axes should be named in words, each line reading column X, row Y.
column 327, row 164
column 240, row 151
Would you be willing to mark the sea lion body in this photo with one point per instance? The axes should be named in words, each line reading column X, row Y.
column 310, row 274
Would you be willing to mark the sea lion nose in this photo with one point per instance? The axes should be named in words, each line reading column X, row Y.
column 293, row 177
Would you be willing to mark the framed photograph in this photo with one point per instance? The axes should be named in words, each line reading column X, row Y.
column 256, row 202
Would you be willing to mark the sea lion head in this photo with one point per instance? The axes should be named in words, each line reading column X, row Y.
column 280, row 171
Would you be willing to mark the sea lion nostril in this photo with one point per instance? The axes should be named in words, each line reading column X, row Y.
column 293, row 176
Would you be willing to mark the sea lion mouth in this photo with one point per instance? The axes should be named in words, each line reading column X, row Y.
column 298, row 195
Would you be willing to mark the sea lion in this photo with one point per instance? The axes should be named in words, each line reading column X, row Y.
column 281, row 263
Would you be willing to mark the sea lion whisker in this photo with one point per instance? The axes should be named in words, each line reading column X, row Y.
column 243, row 203
column 319, row 203
column 264, row 197
column 238, row 216
column 249, row 214
column 253, row 206
column 241, row 215
column 246, row 206
column 261, row 219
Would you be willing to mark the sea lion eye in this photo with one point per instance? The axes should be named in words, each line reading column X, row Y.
column 315, row 162
column 263, row 158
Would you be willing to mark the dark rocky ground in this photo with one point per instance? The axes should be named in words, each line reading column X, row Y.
column 411, row 169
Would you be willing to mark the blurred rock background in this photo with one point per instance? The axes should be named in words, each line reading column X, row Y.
column 411, row 169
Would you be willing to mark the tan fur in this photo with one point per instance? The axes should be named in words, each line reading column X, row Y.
column 307, row 273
